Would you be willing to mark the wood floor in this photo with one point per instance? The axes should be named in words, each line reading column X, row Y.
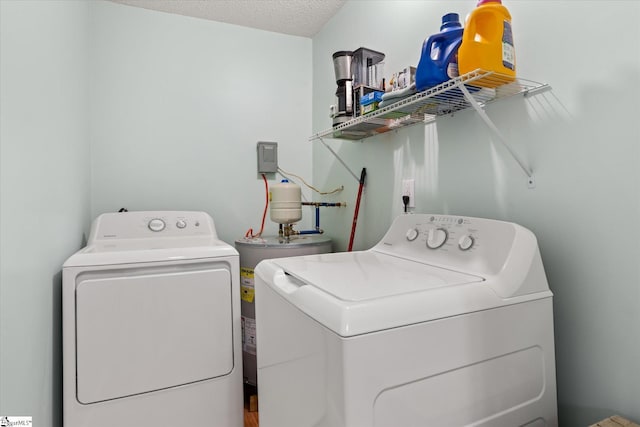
column 250, row 405
column 615, row 421
column 250, row 418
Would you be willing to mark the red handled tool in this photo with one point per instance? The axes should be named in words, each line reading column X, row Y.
column 363, row 175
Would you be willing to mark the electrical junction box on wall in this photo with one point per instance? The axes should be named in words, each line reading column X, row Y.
column 267, row 157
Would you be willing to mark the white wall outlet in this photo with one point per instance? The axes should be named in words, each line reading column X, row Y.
column 409, row 189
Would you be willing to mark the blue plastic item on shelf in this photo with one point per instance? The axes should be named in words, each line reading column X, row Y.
column 439, row 59
column 371, row 97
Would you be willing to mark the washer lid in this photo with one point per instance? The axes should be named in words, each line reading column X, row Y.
column 357, row 293
column 369, row 275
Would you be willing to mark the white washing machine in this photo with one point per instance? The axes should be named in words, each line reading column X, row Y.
column 447, row 321
column 151, row 324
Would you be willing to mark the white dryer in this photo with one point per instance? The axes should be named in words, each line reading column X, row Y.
column 447, row 321
column 151, row 324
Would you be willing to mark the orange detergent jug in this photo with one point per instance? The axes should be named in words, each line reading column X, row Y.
column 487, row 44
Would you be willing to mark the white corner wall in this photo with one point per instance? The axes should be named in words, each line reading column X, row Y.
column 106, row 106
column 581, row 140
column 44, row 193
column 173, row 121
column 178, row 106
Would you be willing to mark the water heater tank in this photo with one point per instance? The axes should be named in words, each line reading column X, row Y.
column 252, row 251
column 286, row 203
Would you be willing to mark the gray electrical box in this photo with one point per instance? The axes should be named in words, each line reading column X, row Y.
column 267, row 157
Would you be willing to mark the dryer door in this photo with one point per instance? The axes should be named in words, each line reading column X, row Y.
column 140, row 330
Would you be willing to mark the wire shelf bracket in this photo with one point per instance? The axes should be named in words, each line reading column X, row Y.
column 531, row 182
column 339, row 159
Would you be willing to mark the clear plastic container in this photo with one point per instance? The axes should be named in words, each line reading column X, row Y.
column 364, row 70
column 487, row 43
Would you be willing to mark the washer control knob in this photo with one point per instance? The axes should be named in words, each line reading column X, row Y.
column 412, row 234
column 465, row 242
column 156, row 224
column 436, row 238
column 181, row 223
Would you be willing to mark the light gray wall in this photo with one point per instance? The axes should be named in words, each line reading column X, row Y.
column 107, row 106
column 584, row 209
column 582, row 141
column 178, row 107
column 44, row 204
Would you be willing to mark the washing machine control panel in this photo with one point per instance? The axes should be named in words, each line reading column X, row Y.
column 437, row 232
column 451, row 240
column 152, row 224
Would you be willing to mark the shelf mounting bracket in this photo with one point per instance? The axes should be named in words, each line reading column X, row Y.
column 531, row 182
column 339, row 159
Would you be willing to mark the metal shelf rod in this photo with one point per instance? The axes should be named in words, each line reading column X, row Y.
column 487, row 121
column 339, row 159
column 537, row 90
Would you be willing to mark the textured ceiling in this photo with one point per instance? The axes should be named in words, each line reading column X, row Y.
column 295, row 17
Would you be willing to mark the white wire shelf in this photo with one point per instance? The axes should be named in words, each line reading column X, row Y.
column 447, row 98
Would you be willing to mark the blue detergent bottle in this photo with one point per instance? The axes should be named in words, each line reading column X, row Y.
column 439, row 59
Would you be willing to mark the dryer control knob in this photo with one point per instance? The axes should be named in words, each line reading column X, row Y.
column 436, row 238
column 156, row 224
column 465, row 242
column 412, row 234
column 181, row 223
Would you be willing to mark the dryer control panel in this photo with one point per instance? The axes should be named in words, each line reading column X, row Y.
column 475, row 244
column 152, row 224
